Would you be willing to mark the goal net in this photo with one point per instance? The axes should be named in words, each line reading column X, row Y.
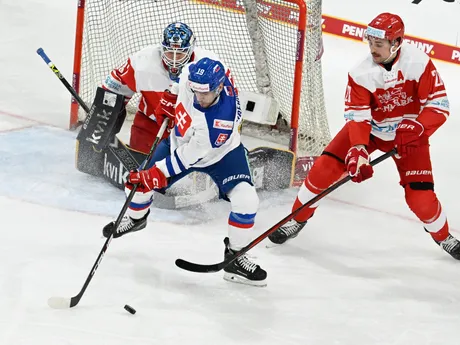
column 272, row 47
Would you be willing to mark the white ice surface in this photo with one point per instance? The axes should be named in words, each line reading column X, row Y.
column 363, row 271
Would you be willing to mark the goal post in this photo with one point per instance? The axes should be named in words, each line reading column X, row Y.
column 272, row 48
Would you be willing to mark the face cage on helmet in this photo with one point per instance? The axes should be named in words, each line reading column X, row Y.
column 175, row 63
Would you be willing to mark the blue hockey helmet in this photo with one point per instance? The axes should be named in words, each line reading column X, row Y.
column 206, row 75
column 178, row 43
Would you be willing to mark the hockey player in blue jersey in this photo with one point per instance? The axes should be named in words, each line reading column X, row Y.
column 206, row 138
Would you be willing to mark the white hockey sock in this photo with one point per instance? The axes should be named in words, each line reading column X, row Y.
column 140, row 204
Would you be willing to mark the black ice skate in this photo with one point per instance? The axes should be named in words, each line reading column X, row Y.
column 451, row 245
column 287, row 231
column 127, row 225
column 242, row 270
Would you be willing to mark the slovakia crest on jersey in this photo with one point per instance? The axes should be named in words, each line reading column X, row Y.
column 183, row 120
column 222, row 138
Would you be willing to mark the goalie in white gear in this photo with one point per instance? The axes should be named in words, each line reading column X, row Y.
column 149, row 72
column 206, row 138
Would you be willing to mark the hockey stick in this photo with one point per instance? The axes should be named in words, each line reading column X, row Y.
column 193, row 267
column 64, row 81
column 64, row 302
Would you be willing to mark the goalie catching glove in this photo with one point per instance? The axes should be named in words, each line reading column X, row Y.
column 149, row 179
column 165, row 110
column 357, row 161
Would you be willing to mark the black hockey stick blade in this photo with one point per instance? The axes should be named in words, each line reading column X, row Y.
column 190, row 266
column 193, row 267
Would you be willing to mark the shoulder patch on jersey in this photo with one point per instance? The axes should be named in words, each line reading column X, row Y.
column 223, row 124
column 183, row 120
column 222, row 138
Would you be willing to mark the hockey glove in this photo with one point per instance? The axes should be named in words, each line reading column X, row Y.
column 140, row 188
column 148, row 179
column 357, row 161
column 165, row 109
column 407, row 139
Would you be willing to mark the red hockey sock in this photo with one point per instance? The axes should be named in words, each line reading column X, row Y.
column 442, row 234
column 324, row 172
column 428, row 209
column 303, row 215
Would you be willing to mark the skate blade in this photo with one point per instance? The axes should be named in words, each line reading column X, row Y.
column 234, row 278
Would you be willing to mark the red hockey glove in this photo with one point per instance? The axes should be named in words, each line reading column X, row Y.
column 140, row 188
column 407, row 139
column 165, row 109
column 148, row 179
column 357, row 161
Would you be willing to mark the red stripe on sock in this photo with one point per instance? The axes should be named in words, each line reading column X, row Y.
column 240, row 225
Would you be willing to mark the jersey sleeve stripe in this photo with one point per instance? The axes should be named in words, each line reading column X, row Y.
column 358, row 115
column 174, row 165
column 181, row 166
column 169, row 167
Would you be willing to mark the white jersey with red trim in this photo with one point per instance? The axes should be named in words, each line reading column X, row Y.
column 202, row 136
column 381, row 98
column 145, row 73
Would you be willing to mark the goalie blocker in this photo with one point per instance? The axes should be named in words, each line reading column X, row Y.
column 100, row 153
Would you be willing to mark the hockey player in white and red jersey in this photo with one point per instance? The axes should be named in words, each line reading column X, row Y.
column 394, row 98
column 206, row 138
column 149, row 72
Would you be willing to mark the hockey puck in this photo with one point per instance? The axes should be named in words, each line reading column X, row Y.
column 130, row 309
